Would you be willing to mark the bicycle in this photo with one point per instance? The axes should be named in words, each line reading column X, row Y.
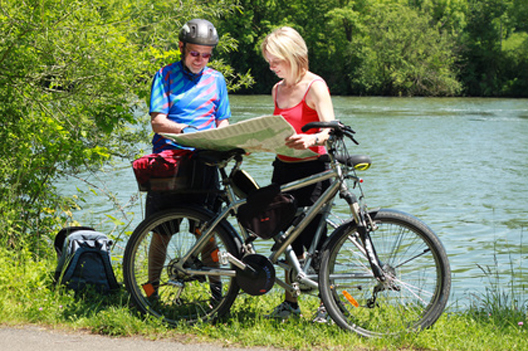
column 379, row 272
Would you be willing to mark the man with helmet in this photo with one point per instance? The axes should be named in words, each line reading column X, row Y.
column 186, row 96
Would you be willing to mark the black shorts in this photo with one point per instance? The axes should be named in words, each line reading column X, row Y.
column 285, row 172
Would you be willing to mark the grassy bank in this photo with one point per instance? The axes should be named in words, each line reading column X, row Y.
column 29, row 297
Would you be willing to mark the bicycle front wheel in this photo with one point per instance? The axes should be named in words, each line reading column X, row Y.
column 158, row 288
column 418, row 277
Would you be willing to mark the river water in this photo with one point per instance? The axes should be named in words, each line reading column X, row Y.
column 459, row 164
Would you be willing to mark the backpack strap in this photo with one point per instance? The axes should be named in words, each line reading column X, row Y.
column 61, row 237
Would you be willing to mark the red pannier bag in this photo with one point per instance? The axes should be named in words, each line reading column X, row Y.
column 169, row 170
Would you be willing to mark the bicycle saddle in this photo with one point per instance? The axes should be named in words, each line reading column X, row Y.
column 359, row 162
column 216, row 158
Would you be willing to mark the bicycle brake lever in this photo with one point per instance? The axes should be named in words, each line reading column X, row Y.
column 350, row 135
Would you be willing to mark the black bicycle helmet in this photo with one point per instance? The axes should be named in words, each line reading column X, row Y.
column 200, row 32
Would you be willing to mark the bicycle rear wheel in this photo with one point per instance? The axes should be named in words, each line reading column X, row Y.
column 156, row 287
column 418, row 277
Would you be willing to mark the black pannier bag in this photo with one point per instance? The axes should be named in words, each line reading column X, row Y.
column 267, row 211
column 84, row 260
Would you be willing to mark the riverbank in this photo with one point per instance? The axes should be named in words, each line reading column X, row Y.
column 458, row 164
column 29, row 298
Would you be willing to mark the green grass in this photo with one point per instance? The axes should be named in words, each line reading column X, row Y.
column 30, row 297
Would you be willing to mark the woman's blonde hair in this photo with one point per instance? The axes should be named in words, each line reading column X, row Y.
column 286, row 43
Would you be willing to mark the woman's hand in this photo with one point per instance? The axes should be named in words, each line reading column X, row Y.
column 301, row 141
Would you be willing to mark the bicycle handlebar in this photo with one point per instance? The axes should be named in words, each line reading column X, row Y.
column 338, row 129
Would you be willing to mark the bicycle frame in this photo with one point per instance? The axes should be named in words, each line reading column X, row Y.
column 282, row 242
column 211, row 259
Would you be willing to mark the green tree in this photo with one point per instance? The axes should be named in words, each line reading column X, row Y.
column 258, row 18
column 481, row 42
column 393, row 47
column 519, row 11
column 358, row 46
column 448, row 15
column 254, row 20
column 72, row 74
column 344, row 28
column 494, row 56
column 515, row 51
column 394, row 50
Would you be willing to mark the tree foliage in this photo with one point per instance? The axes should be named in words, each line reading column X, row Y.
column 493, row 49
column 399, row 53
column 394, row 47
column 72, row 76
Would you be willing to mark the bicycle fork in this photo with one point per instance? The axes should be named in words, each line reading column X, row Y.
column 364, row 227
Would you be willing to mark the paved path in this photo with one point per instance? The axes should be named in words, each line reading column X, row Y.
column 31, row 338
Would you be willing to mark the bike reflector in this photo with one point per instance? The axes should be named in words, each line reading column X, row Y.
column 350, row 299
column 149, row 289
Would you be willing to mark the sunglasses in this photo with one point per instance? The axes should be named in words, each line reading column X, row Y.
column 196, row 54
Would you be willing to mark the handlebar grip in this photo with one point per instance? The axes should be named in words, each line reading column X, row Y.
column 339, row 129
column 330, row 124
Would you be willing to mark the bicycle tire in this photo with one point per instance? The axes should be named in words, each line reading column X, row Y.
column 418, row 285
column 179, row 297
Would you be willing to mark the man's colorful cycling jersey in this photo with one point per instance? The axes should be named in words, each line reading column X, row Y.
column 198, row 100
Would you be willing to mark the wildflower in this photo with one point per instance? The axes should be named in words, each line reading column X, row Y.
column 520, row 324
column 40, row 308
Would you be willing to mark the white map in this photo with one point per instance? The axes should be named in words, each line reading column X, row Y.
column 259, row 134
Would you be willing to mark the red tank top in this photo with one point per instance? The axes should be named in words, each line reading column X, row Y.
column 298, row 116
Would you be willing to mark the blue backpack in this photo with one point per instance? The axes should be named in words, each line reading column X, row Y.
column 84, row 260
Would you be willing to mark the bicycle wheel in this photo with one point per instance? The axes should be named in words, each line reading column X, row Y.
column 418, row 282
column 158, row 288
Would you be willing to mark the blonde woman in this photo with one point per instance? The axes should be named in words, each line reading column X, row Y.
column 300, row 97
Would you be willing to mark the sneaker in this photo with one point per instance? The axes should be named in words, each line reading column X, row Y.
column 321, row 316
column 285, row 311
